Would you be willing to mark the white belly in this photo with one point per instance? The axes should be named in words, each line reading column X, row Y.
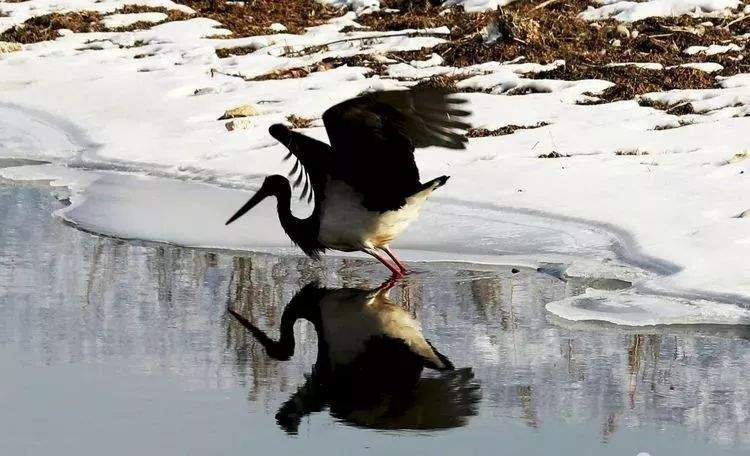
column 346, row 225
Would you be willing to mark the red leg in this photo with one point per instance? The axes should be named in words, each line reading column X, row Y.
column 392, row 254
column 389, row 283
column 383, row 259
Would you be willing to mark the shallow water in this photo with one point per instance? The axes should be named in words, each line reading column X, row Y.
column 120, row 348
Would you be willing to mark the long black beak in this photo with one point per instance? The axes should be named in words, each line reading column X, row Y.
column 257, row 198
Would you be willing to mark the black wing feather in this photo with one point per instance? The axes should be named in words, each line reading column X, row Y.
column 373, row 137
column 313, row 160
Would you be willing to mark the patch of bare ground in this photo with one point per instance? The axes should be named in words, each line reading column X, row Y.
column 172, row 15
column 445, row 82
column 543, row 31
column 223, row 53
column 254, row 17
column 299, row 122
column 680, row 109
column 44, row 28
column 502, row 131
column 553, row 154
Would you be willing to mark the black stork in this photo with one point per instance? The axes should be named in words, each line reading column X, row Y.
column 365, row 185
column 371, row 353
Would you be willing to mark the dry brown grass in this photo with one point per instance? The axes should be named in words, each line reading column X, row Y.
column 502, row 131
column 44, row 28
column 556, row 32
column 299, row 122
column 679, row 109
column 444, row 82
column 172, row 15
column 253, row 17
column 553, row 154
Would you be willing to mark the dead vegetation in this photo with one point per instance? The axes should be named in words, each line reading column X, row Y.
column 172, row 15
column 254, row 17
column 299, row 122
column 44, row 28
column 553, row 154
column 444, row 82
column 554, row 31
column 544, row 31
column 237, row 50
column 502, row 131
column 680, row 109
column 539, row 31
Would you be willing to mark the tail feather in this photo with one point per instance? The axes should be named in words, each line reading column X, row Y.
column 433, row 184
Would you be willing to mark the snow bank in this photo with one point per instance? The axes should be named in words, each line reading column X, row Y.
column 713, row 49
column 633, row 309
column 630, row 11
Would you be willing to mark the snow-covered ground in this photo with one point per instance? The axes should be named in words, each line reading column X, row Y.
column 656, row 206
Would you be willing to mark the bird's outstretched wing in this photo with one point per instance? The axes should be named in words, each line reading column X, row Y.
column 374, row 135
column 312, row 160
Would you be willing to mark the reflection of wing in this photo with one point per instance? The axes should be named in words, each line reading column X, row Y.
column 312, row 160
column 440, row 402
column 373, row 137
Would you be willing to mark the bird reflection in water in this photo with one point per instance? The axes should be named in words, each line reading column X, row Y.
column 368, row 371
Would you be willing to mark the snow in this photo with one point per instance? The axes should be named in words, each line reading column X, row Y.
column 713, row 49
column 630, row 11
column 124, row 20
column 632, row 309
column 708, row 67
column 127, row 129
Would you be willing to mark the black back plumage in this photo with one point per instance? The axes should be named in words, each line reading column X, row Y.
column 373, row 138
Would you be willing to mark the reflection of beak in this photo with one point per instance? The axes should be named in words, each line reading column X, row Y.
column 257, row 198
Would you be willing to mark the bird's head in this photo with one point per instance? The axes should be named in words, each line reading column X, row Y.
column 274, row 185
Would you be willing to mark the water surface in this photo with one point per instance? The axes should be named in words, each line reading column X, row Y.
column 120, row 348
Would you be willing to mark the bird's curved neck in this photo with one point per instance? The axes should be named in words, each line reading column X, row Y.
column 304, row 232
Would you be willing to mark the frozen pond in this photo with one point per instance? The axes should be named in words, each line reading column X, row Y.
column 112, row 347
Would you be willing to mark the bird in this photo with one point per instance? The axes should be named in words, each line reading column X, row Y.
column 365, row 186
column 371, row 353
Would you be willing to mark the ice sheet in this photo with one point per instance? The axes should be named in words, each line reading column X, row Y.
column 634, row 309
